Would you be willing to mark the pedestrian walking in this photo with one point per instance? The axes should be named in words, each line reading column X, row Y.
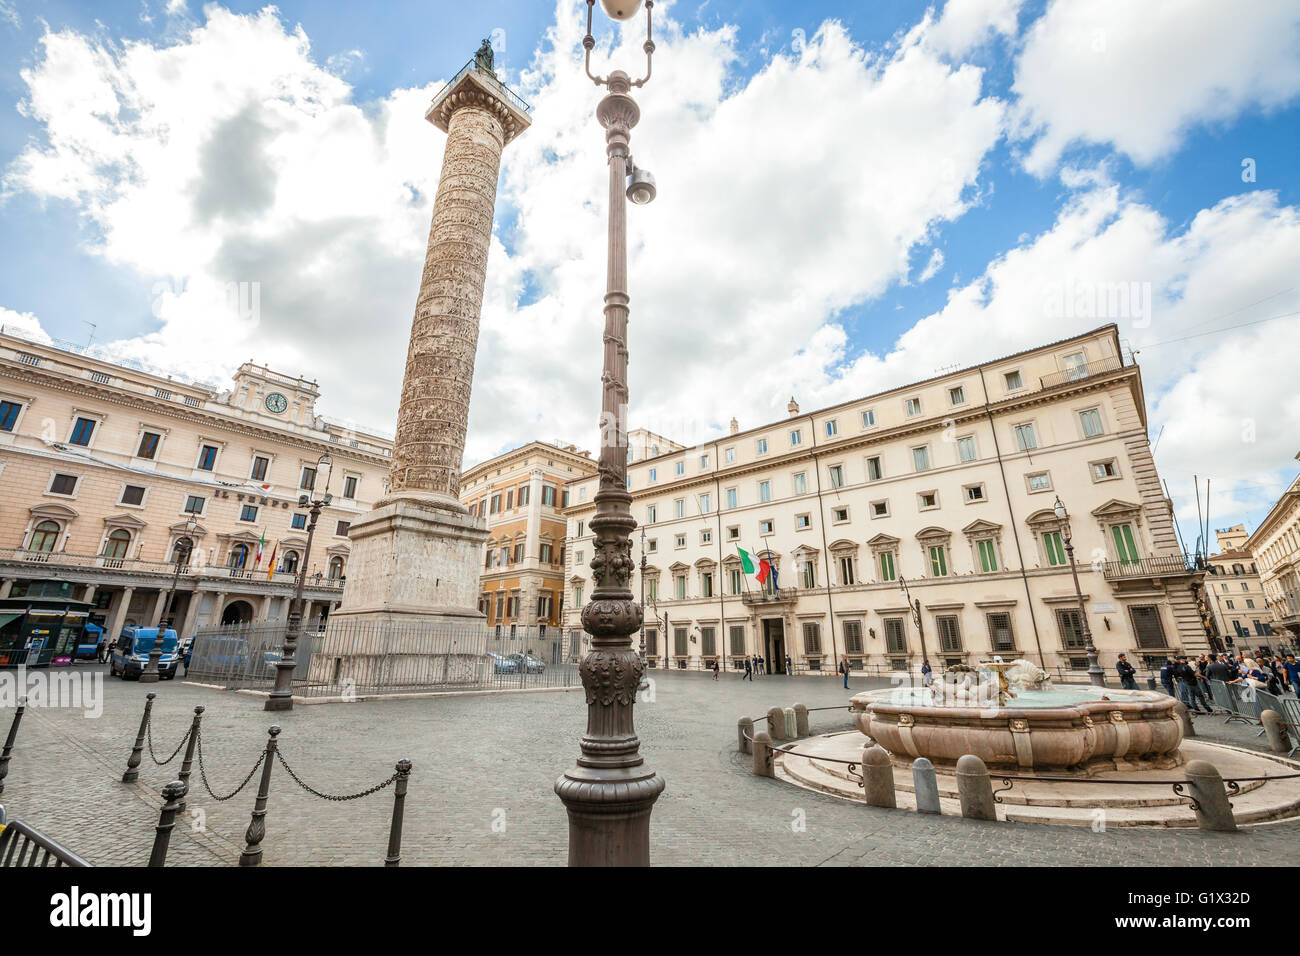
column 927, row 673
column 762, row 666
column 1126, row 672
column 1167, row 677
column 1189, row 685
column 715, row 670
column 102, row 651
column 749, row 670
column 1292, row 670
column 788, row 669
column 844, row 672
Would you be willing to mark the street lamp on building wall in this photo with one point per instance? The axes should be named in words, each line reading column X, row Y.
column 1095, row 673
column 282, row 696
column 150, row 674
column 610, row 792
column 915, row 606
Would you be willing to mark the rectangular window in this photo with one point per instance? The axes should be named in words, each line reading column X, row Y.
column 846, row 570
column 545, row 553
column 808, row 574
column 1013, row 380
column 9, row 415
column 1147, row 627
column 852, row 637
column 704, row 461
column 341, row 529
column 1102, row 470
column 796, row 436
column 510, row 495
column 974, row 492
column 887, row 566
column 350, row 487
column 194, row 504
column 812, row 637
column 733, row 532
column 938, row 561
column 1025, row 438
column 921, row 458
column 837, row 476
column 651, row 589
column 133, row 495
column 802, row 521
column 957, row 395
column 706, row 536
column 800, row 484
column 148, row 445
column 880, row 509
column 248, row 513
column 764, row 491
column 1125, row 544
column 949, row 633
column 874, row 470
column 63, row 485
column 839, row 515
column 737, row 639
column 706, row 503
column 729, row 455
column 832, row 428
column 1055, row 550
column 679, row 541
column 82, row 431
column 1091, row 421
column 735, row 581
column 1070, row 628
column 679, row 641
column 681, row 468
column 733, row 497
column 966, row 448
column 679, row 587
column 1000, row 634
column 260, row 465
column 298, row 522
column 1040, row 482
column 895, row 636
column 762, row 446
column 679, row 508
column 988, row 556
column 208, row 458
column 548, row 496
column 913, row 407
column 308, row 479
column 653, row 477
column 766, row 526
column 523, row 495
column 708, row 642
column 706, row 584
column 651, row 516
column 869, row 418
column 927, row 500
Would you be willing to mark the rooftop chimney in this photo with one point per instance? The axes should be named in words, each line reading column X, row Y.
column 735, row 426
column 793, row 407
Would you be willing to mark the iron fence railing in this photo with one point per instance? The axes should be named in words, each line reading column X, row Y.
column 1080, row 372
column 513, row 98
column 347, row 659
column 1158, row 566
column 777, row 596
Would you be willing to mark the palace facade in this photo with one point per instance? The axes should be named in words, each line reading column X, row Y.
column 950, row 485
column 121, row 484
column 1276, row 546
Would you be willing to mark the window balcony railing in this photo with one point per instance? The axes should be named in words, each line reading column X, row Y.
column 1151, row 567
column 778, row 596
column 100, row 562
column 1080, row 372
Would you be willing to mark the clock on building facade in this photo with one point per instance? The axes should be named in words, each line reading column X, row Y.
column 275, row 402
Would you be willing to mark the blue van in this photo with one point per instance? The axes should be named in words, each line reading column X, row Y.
column 131, row 653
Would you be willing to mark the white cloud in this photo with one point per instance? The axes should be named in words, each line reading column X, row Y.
column 932, row 267
column 23, row 324
column 1137, row 76
column 965, row 24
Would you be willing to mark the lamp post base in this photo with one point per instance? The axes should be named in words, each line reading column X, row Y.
column 609, row 814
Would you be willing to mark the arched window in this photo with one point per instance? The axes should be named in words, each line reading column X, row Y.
column 239, row 556
column 181, row 549
column 290, row 563
column 117, row 545
column 336, row 568
column 44, row 536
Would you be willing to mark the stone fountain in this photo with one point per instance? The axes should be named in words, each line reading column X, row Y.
column 1008, row 715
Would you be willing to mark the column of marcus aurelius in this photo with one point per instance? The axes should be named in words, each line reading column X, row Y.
column 415, row 558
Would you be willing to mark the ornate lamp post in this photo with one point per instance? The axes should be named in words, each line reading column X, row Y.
column 1095, row 673
column 150, row 673
column 610, row 792
column 282, row 694
column 644, row 683
column 915, row 606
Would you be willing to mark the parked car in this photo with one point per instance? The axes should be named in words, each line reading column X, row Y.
column 530, row 664
column 503, row 665
column 131, row 653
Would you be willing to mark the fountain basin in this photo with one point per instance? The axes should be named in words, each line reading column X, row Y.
column 1060, row 730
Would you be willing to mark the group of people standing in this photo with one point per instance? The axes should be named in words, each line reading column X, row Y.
column 1273, row 674
column 757, row 664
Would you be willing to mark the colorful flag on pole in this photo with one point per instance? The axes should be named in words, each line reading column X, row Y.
column 260, row 545
column 746, row 562
column 764, row 569
column 270, row 570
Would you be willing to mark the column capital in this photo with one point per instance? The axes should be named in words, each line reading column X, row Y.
column 473, row 87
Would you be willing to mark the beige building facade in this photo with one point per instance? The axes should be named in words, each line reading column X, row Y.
column 1276, row 546
column 1235, row 594
column 519, row 497
column 948, row 483
column 111, row 473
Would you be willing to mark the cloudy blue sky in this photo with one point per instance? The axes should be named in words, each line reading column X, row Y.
column 852, row 196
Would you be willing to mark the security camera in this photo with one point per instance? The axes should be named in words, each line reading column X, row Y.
column 640, row 186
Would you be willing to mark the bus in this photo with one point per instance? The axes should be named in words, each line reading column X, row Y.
column 39, row 632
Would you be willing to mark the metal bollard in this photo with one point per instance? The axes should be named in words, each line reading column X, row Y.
column 744, row 735
column 763, row 766
column 1274, row 726
column 974, row 789
column 9, row 741
column 256, row 832
column 173, row 794
column 188, row 762
column 394, row 857
column 133, row 762
column 926, row 784
column 1209, row 799
column 878, row 777
column 801, row 720
column 776, row 722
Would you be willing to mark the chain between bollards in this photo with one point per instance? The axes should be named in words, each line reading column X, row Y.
column 173, row 802
column 394, row 857
column 133, row 762
column 9, row 741
column 256, row 832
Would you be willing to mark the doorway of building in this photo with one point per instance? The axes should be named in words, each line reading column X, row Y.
column 774, row 645
column 237, row 612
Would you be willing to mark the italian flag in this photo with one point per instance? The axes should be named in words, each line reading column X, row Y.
column 260, row 545
column 747, row 564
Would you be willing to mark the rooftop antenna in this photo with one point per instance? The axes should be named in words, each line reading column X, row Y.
column 93, row 326
column 1173, row 512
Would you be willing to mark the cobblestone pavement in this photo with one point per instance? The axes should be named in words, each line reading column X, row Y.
column 481, row 791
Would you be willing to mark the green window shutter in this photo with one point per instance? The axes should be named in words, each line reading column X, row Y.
column 988, row 558
column 1125, row 546
column 938, row 562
